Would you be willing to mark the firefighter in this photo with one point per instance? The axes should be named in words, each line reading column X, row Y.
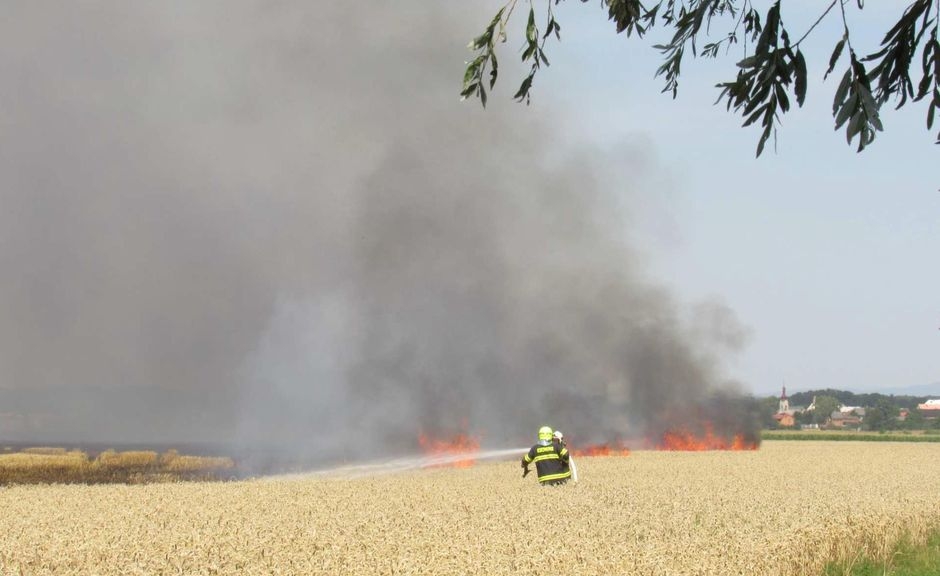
column 550, row 458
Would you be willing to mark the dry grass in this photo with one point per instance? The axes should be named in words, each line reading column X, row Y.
column 784, row 510
column 45, row 450
column 56, row 466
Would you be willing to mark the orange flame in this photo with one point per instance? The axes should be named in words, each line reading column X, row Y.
column 601, row 450
column 458, row 445
column 685, row 440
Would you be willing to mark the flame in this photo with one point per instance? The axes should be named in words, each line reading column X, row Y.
column 601, row 450
column 457, row 445
column 685, row 440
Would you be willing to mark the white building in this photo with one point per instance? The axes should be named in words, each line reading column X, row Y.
column 930, row 408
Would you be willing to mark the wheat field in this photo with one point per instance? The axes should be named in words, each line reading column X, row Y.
column 56, row 465
column 786, row 509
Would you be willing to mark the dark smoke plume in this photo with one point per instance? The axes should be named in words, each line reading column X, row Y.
column 273, row 224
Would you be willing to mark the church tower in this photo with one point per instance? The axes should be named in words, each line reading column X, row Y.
column 784, row 402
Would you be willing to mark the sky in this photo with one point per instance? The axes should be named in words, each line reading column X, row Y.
column 251, row 221
column 827, row 255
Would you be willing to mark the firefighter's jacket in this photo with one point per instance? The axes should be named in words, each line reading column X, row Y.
column 551, row 462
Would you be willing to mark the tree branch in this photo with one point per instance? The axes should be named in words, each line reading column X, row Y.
column 815, row 24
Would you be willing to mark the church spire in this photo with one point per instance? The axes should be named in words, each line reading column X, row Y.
column 784, row 402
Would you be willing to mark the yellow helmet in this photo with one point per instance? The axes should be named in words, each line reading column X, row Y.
column 545, row 433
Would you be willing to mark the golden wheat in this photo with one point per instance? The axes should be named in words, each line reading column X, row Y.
column 46, row 450
column 129, row 459
column 50, row 465
column 191, row 464
column 784, row 510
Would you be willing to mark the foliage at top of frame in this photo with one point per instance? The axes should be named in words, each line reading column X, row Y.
column 773, row 70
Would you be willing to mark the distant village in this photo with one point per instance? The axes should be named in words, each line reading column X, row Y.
column 825, row 410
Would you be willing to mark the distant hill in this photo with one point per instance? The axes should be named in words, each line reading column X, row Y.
column 922, row 390
column 908, row 397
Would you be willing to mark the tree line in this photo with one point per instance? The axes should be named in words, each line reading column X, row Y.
column 881, row 411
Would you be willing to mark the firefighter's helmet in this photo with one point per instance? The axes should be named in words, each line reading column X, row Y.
column 545, row 434
column 558, row 436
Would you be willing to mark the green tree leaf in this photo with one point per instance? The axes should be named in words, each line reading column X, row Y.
column 835, row 56
column 800, row 83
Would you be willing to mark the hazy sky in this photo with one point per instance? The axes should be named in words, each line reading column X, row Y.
column 829, row 256
column 230, row 219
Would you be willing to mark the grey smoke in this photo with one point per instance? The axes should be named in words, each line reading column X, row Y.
column 274, row 224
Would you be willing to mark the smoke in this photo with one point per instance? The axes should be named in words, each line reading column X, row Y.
column 274, row 224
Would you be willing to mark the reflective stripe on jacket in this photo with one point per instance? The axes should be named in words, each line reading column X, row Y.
column 551, row 462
